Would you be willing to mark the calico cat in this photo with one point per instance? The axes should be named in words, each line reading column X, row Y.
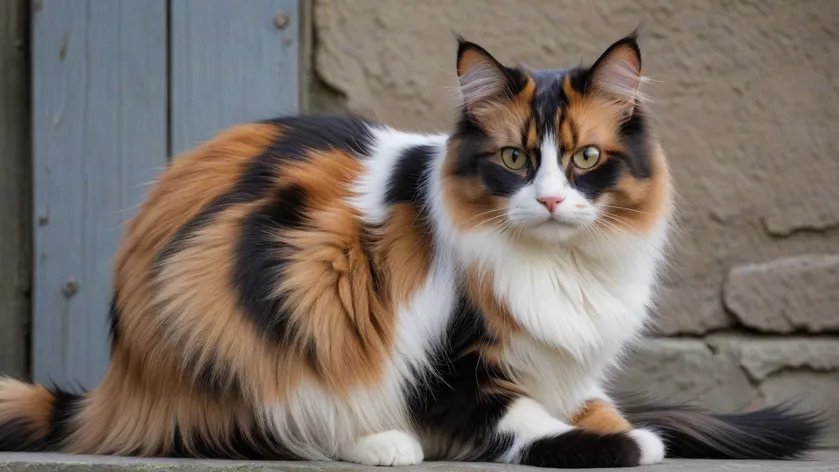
column 330, row 288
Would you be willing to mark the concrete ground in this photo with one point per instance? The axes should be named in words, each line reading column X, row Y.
column 25, row 462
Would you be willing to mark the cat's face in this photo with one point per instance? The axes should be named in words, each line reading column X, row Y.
column 554, row 155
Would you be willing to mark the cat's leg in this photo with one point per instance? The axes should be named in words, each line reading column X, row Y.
column 390, row 448
column 601, row 416
column 531, row 436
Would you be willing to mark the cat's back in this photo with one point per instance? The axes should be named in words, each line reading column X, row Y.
column 228, row 174
column 263, row 236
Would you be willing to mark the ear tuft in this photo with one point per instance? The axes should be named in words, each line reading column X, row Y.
column 482, row 77
column 617, row 73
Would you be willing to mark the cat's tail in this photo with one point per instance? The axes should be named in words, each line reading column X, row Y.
column 690, row 432
column 34, row 418
column 130, row 418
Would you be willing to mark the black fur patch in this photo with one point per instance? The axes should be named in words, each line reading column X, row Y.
column 450, row 399
column 300, row 134
column 636, row 140
column 257, row 265
column 66, row 407
column 312, row 356
column 410, row 175
column 580, row 449
column 500, row 181
column 472, row 146
column 214, row 376
column 113, row 322
column 548, row 99
column 596, row 181
column 408, row 184
column 17, row 435
column 368, row 240
column 769, row 434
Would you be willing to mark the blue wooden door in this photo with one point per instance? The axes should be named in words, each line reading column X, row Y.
column 118, row 87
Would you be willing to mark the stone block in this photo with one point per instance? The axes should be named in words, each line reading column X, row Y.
column 687, row 371
column 791, row 294
column 739, row 373
column 762, row 357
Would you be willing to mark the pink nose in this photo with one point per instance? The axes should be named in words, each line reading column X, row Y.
column 550, row 202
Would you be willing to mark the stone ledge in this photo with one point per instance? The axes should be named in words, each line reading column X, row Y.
column 821, row 461
column 786, row 295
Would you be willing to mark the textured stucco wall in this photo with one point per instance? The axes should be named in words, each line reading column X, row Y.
column 747, row 105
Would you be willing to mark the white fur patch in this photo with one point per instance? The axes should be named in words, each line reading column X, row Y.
column 391, row 448
column 579, row 306
column 651, row 445
column 372, row 184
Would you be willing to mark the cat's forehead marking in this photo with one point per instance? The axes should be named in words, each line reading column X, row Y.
column 548, row 99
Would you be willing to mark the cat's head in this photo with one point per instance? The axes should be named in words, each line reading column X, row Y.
column 554, row 156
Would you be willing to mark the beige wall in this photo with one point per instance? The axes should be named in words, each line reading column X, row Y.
column 747, row 105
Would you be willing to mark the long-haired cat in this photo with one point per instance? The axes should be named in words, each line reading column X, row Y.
column 329, row 288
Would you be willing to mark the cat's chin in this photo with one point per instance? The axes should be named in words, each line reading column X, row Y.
column 554, row 232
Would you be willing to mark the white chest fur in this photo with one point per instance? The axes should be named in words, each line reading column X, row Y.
column 579, row 308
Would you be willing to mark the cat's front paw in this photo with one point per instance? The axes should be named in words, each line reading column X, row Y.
column 391, row 448
column 651, row 445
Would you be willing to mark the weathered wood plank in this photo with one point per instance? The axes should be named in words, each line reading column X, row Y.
column 231, row 62
column 15, row 200
column 99, row 134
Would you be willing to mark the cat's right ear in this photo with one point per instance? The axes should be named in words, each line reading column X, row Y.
column 483, row 80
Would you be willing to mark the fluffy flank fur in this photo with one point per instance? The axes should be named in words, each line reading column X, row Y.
column 331, row 288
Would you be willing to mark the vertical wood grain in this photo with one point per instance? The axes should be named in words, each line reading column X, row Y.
column 231, row 61
column 15, row 198
column 99, row 135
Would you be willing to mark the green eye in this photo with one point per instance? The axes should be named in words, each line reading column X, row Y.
column 513, row 158
column 587, row 157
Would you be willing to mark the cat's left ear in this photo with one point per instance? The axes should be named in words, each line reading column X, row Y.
column 484, row 80
column 617, row 73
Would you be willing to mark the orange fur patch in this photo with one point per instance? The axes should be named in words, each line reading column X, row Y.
column 634, row 204
column 191, row 183
column 405, row 251
column 468, row 202
column 204, row 325
column 500, row 321
column 344, row 325
column 32, row 403
column 639, row 205
column 589, row 121
column 600, row 416
column 124, row 418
